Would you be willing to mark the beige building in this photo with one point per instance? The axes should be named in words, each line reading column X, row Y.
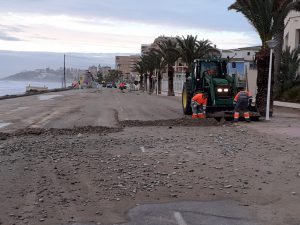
column 126, row 64
column 292, row 30
column 105, row 70
column 93, row 70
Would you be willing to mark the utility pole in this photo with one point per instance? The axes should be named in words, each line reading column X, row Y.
column 64, row 82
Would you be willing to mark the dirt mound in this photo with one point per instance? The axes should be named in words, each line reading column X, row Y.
column 73, row 131
column 3, row 136
column 181, row 122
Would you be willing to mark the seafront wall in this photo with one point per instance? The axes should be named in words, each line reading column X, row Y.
column 34, row 93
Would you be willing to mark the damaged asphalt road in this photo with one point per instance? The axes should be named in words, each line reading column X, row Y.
column 87, row 175
column 91, row 175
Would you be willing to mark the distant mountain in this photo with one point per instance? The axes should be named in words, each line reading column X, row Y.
column 12, row 62
column 41, row 76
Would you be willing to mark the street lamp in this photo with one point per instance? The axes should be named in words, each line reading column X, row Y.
column 271, row 44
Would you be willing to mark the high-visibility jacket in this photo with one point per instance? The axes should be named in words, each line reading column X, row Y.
column 200, row 99
column 242, row 95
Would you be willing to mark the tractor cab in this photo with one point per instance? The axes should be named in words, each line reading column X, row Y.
column 210, row 76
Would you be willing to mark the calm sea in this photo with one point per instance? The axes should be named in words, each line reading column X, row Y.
column 19, row 87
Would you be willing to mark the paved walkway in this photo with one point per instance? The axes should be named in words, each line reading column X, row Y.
column 287, row 104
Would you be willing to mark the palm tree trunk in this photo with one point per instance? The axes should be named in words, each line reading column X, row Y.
column 263, row 62
column 171, row 81
column 145, row 82
column 151, row 83
column 159, row 83
column 142, row 83
column 278, row 52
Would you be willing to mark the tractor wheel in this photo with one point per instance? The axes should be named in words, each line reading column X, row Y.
column 219, row 119
column 187, row 98
column 255, row 118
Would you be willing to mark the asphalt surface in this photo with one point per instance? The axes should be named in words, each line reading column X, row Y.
column 87, row 157
column 85, row 108
column 189, row 213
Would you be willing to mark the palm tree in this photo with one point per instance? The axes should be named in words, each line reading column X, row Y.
column 190, row 49
column 267, row 17
column 167, row 49
column 159, row 65
column 281, row 10
column 288, row 77
column 149, row 63
column 140, row 68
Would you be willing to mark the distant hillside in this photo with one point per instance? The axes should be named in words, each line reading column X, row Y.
column 13, row 62
column 52, row 76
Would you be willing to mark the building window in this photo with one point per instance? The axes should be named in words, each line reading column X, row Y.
column 297, row 38
column 233, row 65
column 248, row 53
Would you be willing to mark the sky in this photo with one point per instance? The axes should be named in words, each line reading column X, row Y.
column 117, row 26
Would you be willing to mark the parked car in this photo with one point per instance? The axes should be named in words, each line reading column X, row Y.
column 109, row 85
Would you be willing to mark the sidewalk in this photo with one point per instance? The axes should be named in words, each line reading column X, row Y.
column 287, row 104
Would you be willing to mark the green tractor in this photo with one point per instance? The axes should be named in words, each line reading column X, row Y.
column 211, row 77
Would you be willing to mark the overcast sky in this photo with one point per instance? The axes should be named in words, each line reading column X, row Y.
column 110, row 26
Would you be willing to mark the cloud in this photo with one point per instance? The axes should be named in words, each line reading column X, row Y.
column 189, row 13
column 6, row 37
column 118, row 26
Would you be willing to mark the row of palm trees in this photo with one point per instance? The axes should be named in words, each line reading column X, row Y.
column 266, row 16
column 165, row 53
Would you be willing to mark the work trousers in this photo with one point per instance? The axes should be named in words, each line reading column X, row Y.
column 197, row 108
column 242, row 106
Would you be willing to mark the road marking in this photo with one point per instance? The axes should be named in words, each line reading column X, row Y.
column 47, row 97
column 179, row 219
column 18, row 109
column 44, row 120
column 143, row 149
column 2, row 125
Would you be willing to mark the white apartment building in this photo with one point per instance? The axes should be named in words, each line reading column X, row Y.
column 292, row 30
column 246, row 57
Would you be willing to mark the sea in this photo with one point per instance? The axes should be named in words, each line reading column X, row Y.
column 19, row 87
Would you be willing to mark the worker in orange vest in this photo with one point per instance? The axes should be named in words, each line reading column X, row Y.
column 241, row 102
column 199, row 102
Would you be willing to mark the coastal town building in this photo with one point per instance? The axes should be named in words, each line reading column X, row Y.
column 243, row 65
column 93, row 70
column 246, row 54
column 105, row 70
column 292, row 30
column 126, row 65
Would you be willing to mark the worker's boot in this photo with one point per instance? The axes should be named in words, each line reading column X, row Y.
column 236, row 117
column 247, row 117
column 194, row 116
column 201, row 116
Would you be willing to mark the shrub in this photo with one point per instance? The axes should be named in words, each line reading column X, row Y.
column 292, row 95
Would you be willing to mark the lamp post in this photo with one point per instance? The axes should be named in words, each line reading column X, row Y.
column 271, row 44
